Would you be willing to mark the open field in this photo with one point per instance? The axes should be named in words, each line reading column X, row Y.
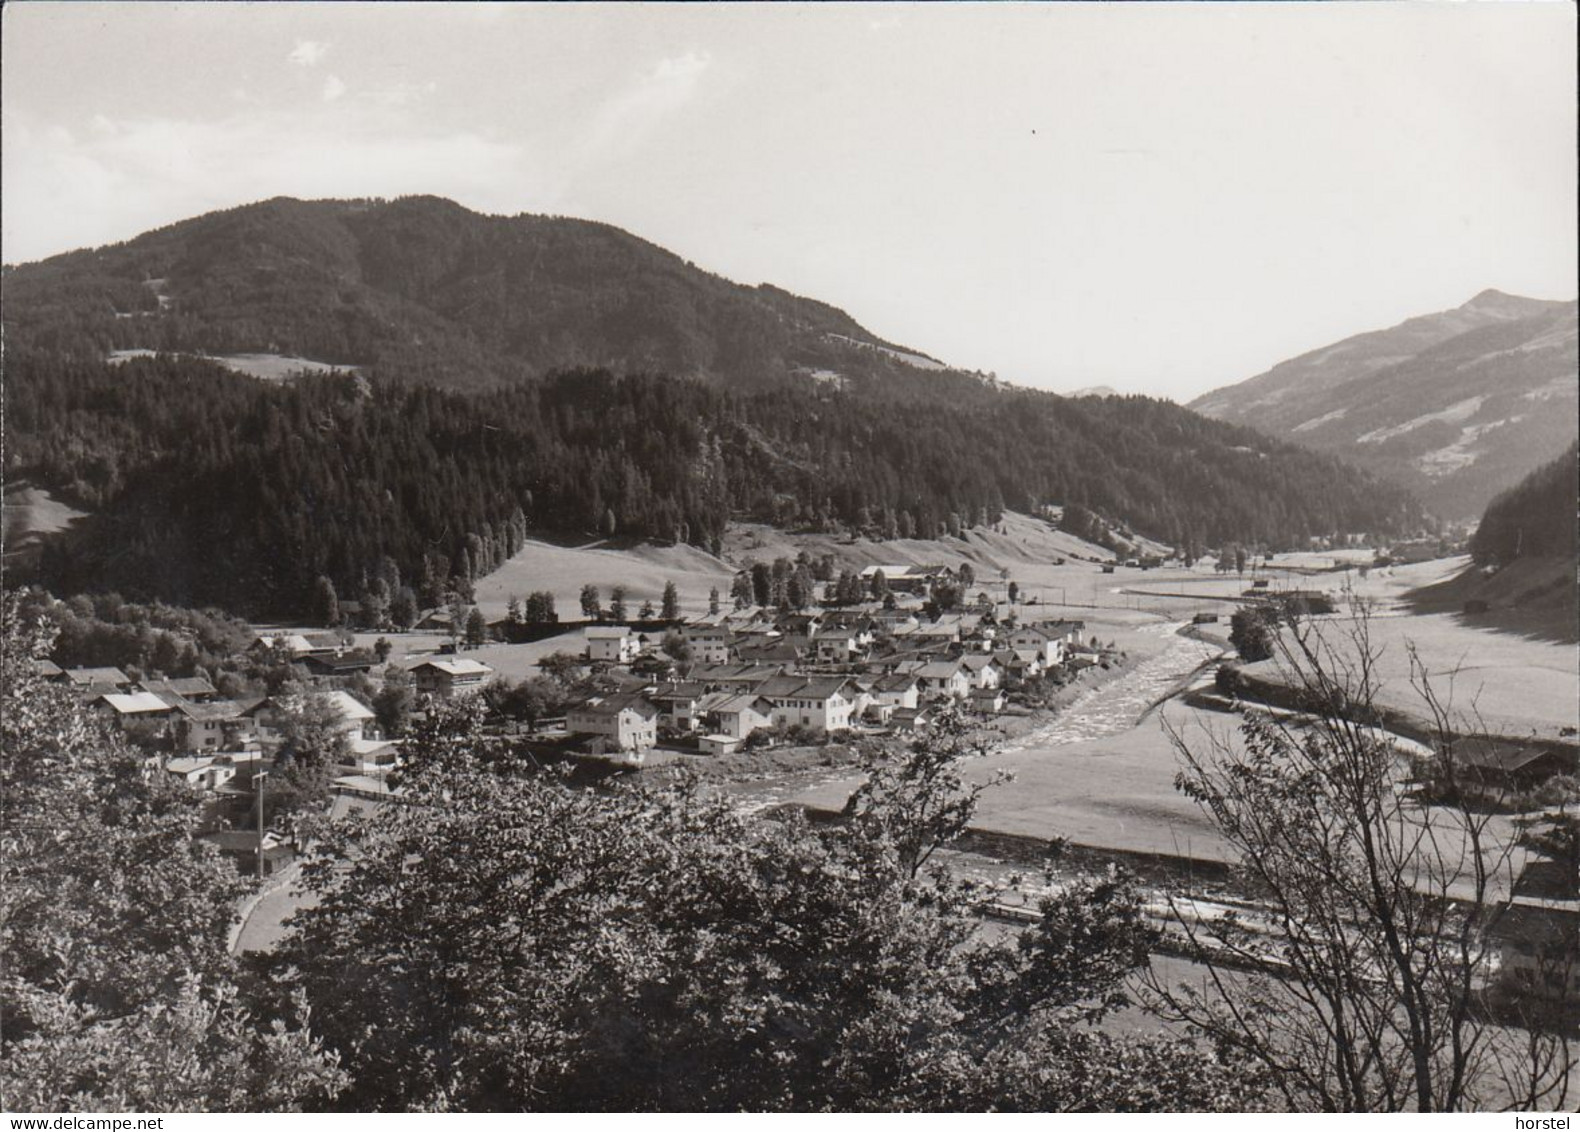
column 1502, row 682
column 265, row 367
column 642, row 569
column 30, row 512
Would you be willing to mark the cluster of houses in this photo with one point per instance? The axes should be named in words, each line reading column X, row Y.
column 221, row 744
column 819, row 673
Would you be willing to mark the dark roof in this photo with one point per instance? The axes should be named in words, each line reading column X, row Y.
column 92, row 676
column 182, row 686
column 1490, row 754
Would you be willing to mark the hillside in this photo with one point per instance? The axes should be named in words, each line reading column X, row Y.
column 1456, row 406
column 421, row 289
column 1523, row 558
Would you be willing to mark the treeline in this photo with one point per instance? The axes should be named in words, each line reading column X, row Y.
column 208, row 487
column 1535, row 518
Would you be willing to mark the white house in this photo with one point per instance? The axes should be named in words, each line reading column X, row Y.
column 943, row 678
column 614, row 643
column 1049, row 646
column 710, row 644
column 984, row 671
column 619, row 723
column 897, row 690
column 822, row 703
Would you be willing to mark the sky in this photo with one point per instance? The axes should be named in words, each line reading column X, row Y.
column 1160, row 198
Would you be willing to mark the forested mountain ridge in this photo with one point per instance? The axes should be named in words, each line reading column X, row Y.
column 421, row 289
column 206, row 486
column 476, row 412
column 1456, row 406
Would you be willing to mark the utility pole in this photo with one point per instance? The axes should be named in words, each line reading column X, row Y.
column 260, row 779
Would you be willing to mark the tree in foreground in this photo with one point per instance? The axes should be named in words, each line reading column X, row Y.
column 1363, row 986
column 504, row 941
column 118, row 991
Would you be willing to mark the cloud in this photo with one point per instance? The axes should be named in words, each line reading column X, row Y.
column 333, row 88
column 625, row 120
column 308, row 52
column 66, row 190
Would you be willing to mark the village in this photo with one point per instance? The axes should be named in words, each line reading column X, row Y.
column 631, row 693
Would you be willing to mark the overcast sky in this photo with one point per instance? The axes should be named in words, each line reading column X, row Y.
column 1161, row 198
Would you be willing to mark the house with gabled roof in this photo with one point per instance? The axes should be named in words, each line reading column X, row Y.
column 735, row 715
column 623, row 722
column 984, row 670
column 943, row 678
column 822, row 703
column 211, row 725
column 132, row 708
column 447, row 676
column 677, row 703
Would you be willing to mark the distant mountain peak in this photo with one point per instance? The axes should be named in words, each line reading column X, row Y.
column 1456, row 405
column 1501, row 304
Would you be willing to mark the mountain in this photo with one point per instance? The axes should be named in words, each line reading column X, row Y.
column 129, row 398
column 1456, row 406
column 421, row 289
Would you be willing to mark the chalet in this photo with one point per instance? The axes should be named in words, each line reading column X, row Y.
column 216, row 725
column 911, row 719
column 677, row 703
column 616, row 723
column 131, row 708
column 822, row 703
column 1506, row 766
column 735, row 715
column 613, row 643
column 450, row 676
column 46, row 669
